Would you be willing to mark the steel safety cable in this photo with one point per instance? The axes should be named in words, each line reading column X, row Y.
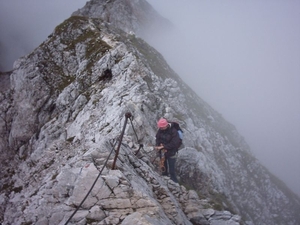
column 78, row 207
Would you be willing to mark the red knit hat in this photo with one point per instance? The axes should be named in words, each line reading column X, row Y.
column 162, row 123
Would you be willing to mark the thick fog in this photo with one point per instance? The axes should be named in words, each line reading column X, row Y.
column 26, row 24
column 242, row 57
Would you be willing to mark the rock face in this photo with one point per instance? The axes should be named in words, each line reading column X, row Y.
column 62, row 113
column 131, row 16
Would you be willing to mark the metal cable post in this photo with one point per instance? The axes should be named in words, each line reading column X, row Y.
column 127, row 115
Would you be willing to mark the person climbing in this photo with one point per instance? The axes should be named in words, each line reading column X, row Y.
column 167, row 140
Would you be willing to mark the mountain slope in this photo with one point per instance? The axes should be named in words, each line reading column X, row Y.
column 65, row 111
column 134, row 16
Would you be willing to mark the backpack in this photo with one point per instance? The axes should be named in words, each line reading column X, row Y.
column 179, row 130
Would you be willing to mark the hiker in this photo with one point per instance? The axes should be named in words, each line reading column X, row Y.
column 167, row 140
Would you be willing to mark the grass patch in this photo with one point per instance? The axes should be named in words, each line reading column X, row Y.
column 76, row 30
column 155, row 59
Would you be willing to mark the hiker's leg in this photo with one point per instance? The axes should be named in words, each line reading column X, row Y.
column 172, row 162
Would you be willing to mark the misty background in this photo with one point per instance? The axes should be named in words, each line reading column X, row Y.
column 242, row 57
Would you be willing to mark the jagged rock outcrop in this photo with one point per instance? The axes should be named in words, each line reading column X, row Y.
column 133, row 16
column 6, row 114
column 63, row 113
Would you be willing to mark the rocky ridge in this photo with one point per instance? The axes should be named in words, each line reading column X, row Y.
column 65, row 118
column 64, row 111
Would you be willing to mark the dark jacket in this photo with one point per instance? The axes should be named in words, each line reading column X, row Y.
column 170, row 140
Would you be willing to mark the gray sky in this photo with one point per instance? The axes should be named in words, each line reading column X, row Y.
column 242, row 57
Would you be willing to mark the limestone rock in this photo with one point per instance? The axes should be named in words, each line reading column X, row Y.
column 61, row 119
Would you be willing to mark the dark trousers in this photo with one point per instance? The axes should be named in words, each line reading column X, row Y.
column 170, row 168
